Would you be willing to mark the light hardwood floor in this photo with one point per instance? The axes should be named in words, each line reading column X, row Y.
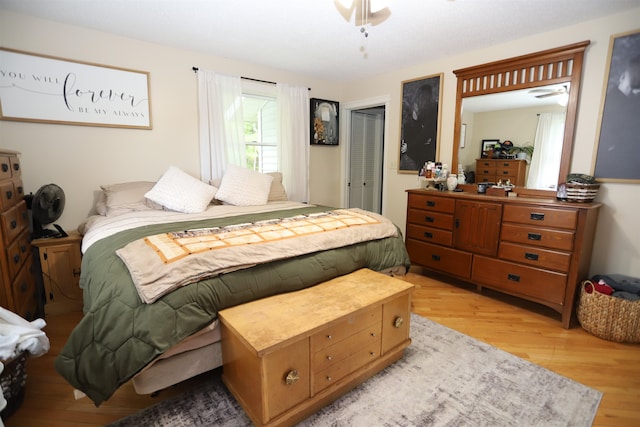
column 524, row 329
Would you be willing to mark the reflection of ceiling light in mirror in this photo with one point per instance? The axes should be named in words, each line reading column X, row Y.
column 563, row 99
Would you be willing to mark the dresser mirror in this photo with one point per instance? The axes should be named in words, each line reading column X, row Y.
column 516, row 84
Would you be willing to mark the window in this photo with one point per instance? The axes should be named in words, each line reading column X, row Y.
column 260, row 132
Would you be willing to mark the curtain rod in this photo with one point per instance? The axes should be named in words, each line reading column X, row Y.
column 195, row 70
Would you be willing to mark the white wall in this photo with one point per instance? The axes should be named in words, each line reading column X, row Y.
column 617, row 245
column 80, row 158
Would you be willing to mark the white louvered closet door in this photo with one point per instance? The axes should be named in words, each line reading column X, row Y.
column 365, row 161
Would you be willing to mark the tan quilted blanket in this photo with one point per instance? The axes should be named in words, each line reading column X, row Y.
column 160, row 263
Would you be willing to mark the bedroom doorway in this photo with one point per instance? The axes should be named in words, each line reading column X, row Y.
column 366, row 158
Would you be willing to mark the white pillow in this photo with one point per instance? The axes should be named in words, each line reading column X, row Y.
column 126, row 197
column 244, row 187
column 179, row 191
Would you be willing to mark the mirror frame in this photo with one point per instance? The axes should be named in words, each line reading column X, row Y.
column 552, row 66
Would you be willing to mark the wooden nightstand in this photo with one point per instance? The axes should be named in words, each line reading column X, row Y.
column 60, row 261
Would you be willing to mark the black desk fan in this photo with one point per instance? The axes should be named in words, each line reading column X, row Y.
column 46, row 207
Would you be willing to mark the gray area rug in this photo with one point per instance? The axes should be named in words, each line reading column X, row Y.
column 445, row 379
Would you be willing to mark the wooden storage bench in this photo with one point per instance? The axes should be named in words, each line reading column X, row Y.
column 287, row 356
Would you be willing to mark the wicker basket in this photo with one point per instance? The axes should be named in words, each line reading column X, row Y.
column 577, row 192
column 607, row 317
column 13, row 378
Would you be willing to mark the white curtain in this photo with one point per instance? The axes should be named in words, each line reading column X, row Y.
column 221, row 123
column 294, row 116
column 545, row 163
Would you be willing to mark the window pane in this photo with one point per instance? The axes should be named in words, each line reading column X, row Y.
column 260, row 130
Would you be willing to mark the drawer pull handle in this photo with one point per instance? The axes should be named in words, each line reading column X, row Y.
column 16, row 166
column 14, row 224
column 5, row 167
column 435, row 257
column 530, row 256
column 23, row 287
column 20, row 190
column 23, row 248
column 9, row 195
column 505, row 172
column 292, row 377
column 534, row 236
column 329, row 337
column 513, row 277
column 329, row 358
column 16, row 259
column 398, row 322
column 431, row 203
column 329, row 378
column 428, row 219
column 536, row 216
column 506, row 165
column 428, row 235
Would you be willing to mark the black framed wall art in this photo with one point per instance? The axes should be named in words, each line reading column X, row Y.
column 420, row 122
column 324, row 122
column 618, row 147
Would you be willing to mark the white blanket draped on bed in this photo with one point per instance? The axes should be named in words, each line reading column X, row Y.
column 162, row 263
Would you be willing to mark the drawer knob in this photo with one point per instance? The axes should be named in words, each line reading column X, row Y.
column 429, row 219
column 534, row 236
column 513, row 277
column 329, row 378
column 398, row 322
column 329, row 357
column 329, row 337
column 428, row 235
column 372, row 354
column 530, row 256
column 292, row 377
column 431, row 203
column 373, row 334
column 5, row 167
column 9, row 195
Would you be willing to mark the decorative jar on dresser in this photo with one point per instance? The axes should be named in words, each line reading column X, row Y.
column 532, row 248
column 17, row 279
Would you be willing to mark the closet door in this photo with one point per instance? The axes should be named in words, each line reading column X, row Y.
column 365, row 161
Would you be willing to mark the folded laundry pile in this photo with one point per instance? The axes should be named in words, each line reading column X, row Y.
column 616, row 285
column 18, row 335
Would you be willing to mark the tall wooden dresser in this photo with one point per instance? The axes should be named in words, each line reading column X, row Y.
column 494, row 170
column 17, row 280
column 536, row 249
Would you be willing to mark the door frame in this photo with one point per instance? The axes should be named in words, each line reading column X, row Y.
column 345, row 113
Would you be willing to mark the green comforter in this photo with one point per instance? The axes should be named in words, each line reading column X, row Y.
column 119, row 334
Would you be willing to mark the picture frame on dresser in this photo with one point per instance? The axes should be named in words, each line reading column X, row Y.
column 420, row 122
column 487, row 145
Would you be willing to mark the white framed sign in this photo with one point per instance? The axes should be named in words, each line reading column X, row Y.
column 39, row 88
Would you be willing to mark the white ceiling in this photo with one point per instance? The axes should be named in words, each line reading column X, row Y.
column 310, row 37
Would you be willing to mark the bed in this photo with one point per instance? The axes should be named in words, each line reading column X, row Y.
column 161, row 339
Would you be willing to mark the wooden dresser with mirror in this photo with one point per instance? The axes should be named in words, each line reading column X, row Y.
column 532, row 246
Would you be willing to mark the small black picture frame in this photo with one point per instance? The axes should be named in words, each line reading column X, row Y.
column 487, row 145
column 325, row 128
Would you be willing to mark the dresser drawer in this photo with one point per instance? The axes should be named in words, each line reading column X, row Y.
column 537, row 257
column 18, row 252
column 354, row 357
column 13, row 221
column 8, row 196
column 430, row 219
column 540, row 216
column 432, row 203
column 24, row 291
column 452, row 261
column 336, row 353
column 537, row 236
column 542, row 285
column 428, row 234
column 345, row 328
column 485, row 174
column 5, row 167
